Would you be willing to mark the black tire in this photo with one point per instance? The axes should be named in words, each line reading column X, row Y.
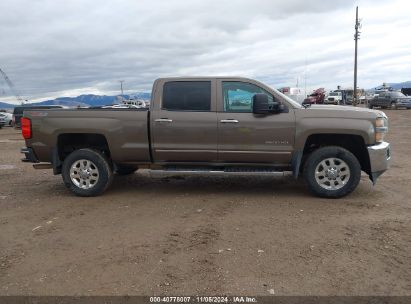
column 393, row 106
column 349, row 165
column 125, row 170
column 370, row 106
column 98, row 162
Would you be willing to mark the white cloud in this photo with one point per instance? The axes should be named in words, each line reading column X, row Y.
column 53, row 48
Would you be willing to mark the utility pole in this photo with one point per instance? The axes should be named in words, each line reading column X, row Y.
column 121, row 87
column 356, row 38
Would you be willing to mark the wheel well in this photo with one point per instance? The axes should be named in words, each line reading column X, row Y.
column 353, row 143
column 67, row 143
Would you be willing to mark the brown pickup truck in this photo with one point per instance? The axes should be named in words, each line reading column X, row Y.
column 224, row 125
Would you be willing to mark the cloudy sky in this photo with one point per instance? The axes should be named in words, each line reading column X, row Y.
column 52, row 48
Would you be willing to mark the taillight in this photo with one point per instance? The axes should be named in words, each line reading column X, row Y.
column 25, row 127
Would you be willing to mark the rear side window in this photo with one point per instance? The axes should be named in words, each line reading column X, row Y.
column 187, row 96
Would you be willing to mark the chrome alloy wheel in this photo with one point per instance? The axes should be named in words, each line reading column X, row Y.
column 84, row 174
column 332, row 173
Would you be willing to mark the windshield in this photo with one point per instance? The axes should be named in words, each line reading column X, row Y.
column 397, row 94
column 334, row 94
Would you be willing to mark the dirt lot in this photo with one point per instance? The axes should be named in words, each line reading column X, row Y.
column 204, row 235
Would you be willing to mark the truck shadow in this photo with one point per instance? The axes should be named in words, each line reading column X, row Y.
column 208, row 184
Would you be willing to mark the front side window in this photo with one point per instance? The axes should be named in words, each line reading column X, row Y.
column 238, row 96
column 187, row 96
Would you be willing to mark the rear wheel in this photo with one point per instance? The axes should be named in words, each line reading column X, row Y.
column 87, row 172
column 332, row 172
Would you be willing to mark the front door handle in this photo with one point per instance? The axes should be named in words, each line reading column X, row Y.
column 229, row 121
column 163, row 120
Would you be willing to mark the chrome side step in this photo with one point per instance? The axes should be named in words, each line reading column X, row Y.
column 260, row 172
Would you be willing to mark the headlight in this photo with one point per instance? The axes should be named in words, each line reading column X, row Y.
column 381, row 128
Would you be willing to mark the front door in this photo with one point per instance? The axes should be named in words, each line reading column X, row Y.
column 247, row 137
column 184, row 122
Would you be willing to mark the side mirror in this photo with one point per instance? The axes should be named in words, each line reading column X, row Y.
column 276, row 107
column 260, row 104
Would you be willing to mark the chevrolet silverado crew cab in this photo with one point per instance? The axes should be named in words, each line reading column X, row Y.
column 215, row 125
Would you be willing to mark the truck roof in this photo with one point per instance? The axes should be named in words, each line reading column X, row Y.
column 202, row 77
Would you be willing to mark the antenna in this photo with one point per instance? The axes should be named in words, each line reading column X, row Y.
column 305, row 78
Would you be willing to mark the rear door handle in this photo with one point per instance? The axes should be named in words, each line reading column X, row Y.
column 229, row 121
column 163, row 120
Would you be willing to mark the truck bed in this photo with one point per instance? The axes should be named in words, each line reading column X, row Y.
column 125, row 130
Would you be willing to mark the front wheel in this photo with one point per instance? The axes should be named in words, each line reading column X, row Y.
column 87, row 172
column 332, row 172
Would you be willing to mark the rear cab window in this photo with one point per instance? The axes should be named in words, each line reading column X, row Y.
column 187, row 96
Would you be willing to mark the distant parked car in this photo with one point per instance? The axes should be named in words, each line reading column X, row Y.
column 8, row 118
column 390, row 99
column 316, row 97
column 18, row 112
column 2, row 122
column 295, row 94
column 334, row 98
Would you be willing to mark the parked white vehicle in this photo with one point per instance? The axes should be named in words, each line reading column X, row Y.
column 7, row 118
column 333, row 98
column 295, row 94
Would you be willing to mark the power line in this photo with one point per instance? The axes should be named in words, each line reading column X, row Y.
column 11, row 86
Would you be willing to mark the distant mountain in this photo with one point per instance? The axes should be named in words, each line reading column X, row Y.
column 84, row 100
column 4, row 105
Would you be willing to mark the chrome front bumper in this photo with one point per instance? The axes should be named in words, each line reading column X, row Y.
column 380, row 159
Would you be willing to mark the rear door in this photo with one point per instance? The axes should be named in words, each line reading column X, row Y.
column 249, row 138
column 184, row 121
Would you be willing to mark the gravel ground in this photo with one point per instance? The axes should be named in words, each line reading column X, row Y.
column 204, row 235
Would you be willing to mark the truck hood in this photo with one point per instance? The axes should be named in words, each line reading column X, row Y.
column 404, row 99
column 331, row 111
